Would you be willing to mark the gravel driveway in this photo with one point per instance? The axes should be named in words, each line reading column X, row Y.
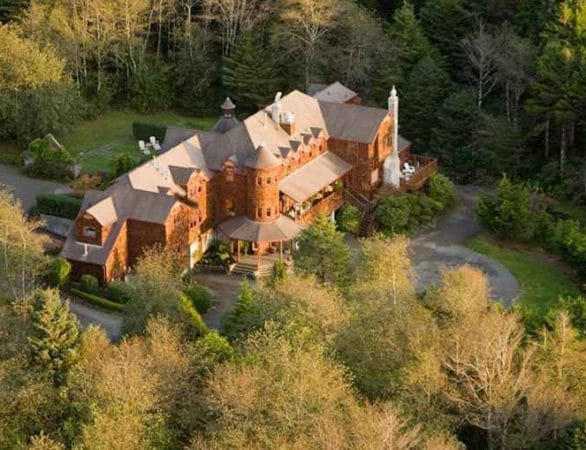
column 25, row 188
column 443, row 246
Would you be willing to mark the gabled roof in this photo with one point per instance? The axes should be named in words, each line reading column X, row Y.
column 104, row 212
column 352, row 122
column 335, row 92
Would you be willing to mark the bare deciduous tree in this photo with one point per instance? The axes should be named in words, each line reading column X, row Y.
column 481, row 48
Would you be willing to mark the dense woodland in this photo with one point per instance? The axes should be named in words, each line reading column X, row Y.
column 490, row 86
column 350, row 358
column 344, row 353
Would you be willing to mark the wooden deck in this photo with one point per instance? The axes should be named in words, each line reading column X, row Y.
column 425, row 166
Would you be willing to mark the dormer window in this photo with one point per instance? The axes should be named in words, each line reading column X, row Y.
column 90, row 232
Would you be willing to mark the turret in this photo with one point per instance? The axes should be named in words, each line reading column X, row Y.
column 263, row 174
column 228, row 119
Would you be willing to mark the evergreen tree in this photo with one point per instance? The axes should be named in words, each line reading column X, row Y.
column 445, row 23
column 407, row 33
column 243, row 318
column 426, row 88
column 54, row 339
column 323, row 252
column 248, row 74
column 454, row 136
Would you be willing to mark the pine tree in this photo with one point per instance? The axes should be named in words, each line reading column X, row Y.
column 247, row 74
column 453, row 137
column 426, row 88
column 54, row 339
column 406, row 32
column 445, row 23
column 243, row 318
column 323, row 252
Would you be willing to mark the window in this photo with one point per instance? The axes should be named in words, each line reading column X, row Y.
column 259, row 212
column 269, row 180
column 199, row 188
column 269, row 212
column 229, row 205
column 90, row 232
column 229, row 173
column 259, row 181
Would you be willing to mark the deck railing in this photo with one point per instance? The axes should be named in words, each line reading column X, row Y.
column 329, row 203
column 425, row 166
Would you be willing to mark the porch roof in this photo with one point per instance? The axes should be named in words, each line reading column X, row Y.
column 244, row 229
column 314, row 176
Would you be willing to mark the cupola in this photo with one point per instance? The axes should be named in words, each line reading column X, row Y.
column 227, row 120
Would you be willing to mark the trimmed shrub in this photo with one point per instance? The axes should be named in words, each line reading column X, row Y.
column 97, row 300
column 58, row 205
column 441, row 189
column 119, row 292
column 348, row 219
column 200, row 297
column 507, row 213
column 569, row 240
column 59, row 271
column 143, row 131
column 279, row 271
column 89, row 283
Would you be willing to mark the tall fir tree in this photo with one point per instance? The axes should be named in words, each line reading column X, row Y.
column 445, row 23
column 248, row 75
column 454, row 136
column 323, row 252
column 407, row 33
column 426, row 88
column 54, row 339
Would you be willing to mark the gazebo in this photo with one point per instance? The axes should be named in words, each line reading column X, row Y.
column 262, row 235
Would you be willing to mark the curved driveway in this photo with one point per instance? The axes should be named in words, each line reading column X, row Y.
column 443, row 247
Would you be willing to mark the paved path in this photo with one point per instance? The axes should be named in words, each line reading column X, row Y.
column 88, row 315
column 443, row 247
column 225, row 289
column 25, row 188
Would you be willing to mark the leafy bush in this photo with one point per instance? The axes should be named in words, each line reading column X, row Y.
column 58, row 205
column 200, row 297
column 192, row 317
column 279, row 271
column 441, row 189
column 48, row 160
column 97, row 300
column 348, row 219
column 507, row 213
column 143, row 131
column 217, row 254
column 399, row 214
column 89, row 283
column 569, row 240
column 123, row 163
column 119, row 292
column 59, row 271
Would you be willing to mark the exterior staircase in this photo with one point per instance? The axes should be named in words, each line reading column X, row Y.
column 366, row 207
column 252, row 270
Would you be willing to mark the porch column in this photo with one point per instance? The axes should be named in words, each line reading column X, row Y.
column 281, row 250
column 238, row 250
column 258, row 253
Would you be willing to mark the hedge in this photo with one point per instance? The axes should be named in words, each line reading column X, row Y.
column 143, row 131
column 59, row 205
column 97, row 300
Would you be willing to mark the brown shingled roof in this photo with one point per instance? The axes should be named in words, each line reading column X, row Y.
column 335, row 92
column 352, row 122
column 263, row 159
column 245, row 229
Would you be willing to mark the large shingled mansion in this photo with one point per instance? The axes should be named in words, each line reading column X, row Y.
column 254, row 183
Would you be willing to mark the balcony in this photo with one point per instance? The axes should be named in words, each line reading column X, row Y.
column 324, row 202
column 421, row 168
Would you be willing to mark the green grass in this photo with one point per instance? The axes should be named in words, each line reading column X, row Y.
column 541, row 283
column 97, row 142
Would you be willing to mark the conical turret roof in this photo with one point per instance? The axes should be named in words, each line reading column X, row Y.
column 263, row 159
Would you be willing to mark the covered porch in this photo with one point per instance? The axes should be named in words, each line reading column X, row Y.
column 416, row 170
column 256, row 246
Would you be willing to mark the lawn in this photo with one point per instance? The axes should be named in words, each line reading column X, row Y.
column 541, row 283
column 98, row 141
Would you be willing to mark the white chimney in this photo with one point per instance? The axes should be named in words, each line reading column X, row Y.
column 276, row 109
column 84, row 249
column 392, row 166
